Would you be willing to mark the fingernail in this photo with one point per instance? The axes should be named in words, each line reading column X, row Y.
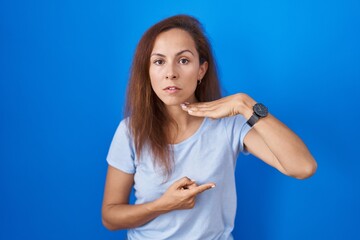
column 212, row 186
column 183, row 105
column 190, row 111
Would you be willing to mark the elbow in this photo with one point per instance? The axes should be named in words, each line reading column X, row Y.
column 108, row 226
column 105, row 220
column 307, row 170
column 111, row 224
column 113, row 227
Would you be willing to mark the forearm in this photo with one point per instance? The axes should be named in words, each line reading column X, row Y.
column 125, row 216
column 180, row 195
column 289, row 150
column 285, row 150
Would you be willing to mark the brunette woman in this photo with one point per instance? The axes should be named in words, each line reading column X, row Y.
column 179, row 142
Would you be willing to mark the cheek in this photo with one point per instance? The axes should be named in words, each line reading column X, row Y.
column 155, row 85
column 153, row 78
column 192, row 73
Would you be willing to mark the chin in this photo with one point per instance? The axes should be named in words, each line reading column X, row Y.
column 173, row 102
column 176, row 100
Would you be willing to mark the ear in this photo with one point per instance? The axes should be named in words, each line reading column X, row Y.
column 202, row 70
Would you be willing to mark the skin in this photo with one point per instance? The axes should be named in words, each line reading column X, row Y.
column 175, row 62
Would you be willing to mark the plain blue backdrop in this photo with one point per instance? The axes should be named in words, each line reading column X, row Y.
column 64, row 67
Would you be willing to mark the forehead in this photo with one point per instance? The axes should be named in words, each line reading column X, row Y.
column 173, row 41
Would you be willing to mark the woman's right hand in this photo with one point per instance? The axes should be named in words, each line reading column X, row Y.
column 181, row 195
column 117, row 213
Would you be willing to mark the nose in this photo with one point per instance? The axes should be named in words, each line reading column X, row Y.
column 171, row 76
column 171, row 73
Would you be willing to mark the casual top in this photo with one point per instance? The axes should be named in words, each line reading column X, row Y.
column 209, row 155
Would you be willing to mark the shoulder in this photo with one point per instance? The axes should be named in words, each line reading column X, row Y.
column 124, row 126
column 125, row 123
column 123, row 131
column 121, row 154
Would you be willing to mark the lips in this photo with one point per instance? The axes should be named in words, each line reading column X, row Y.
column 172, row 88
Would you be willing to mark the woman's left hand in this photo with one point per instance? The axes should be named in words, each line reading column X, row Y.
column 239, row 103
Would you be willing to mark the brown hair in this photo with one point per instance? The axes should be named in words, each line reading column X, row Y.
column 148, row 118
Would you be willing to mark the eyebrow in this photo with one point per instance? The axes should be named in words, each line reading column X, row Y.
column 177, row 54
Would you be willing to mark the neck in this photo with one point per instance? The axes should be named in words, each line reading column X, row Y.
column 184, row 124
column 181, row 118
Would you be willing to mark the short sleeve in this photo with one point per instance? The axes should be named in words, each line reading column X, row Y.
column 237, row 128
column 121, row 154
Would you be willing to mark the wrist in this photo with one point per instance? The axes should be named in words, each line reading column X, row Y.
column 156, row 207
column 244, row 105
column 259, row 111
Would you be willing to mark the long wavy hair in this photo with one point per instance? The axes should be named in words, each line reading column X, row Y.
column 148, row 118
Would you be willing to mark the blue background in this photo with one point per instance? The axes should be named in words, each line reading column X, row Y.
column 64, row 67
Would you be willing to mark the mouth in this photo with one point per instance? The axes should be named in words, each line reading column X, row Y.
column 172, row 88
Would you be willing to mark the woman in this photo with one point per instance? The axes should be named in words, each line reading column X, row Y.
column 178, row 145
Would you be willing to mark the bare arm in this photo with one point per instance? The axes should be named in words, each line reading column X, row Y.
column 274, row 143
column 270, row 140
column 117, row 213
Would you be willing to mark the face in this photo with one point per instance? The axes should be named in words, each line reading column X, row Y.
column 175, row 67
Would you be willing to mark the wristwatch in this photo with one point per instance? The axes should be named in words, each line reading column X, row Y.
column 260, row 111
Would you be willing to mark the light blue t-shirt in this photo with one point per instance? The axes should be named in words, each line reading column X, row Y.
column 209, row 155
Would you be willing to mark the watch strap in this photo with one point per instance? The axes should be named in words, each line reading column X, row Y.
column 252, row 120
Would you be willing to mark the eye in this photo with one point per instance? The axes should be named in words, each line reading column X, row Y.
column 184, row 61
column 158, row 62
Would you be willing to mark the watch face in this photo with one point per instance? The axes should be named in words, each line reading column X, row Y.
column 260, row 110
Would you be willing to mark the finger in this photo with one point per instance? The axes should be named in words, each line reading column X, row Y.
column 202, row 109
column 199, row 106
column 202, row 188
column 183, row 182
column 199, row 113
column 184, row 107
column 208, row 104
column 189, row 186
column 206, row 113
column 192, row 186
column 210, row 110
